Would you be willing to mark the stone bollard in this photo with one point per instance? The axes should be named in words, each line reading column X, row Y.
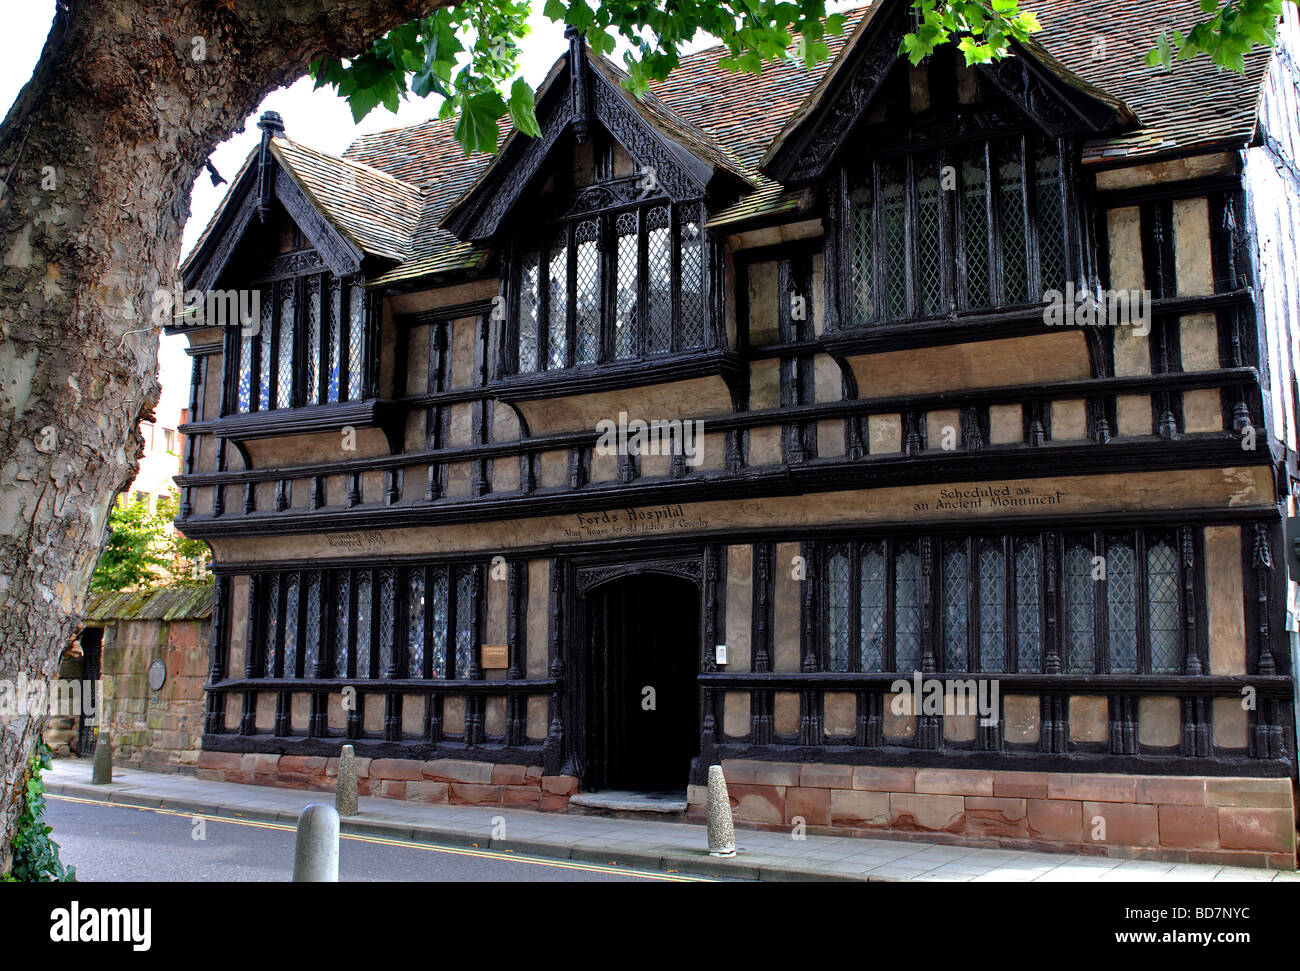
column 316, row 855
column 345, row 796
column 102, row 772
column 717, row 812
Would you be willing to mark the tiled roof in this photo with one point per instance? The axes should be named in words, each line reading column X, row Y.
column 731, row 120
column 375, row 210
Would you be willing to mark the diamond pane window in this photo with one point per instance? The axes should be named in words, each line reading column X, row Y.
column 620, row 283
column 312, row 296
column 1011, row 215
column 1121, row 607
column 244, row 403
column 266, row 336
column 356, row 340
column 872, row 607
column 692, row 272
column 894, row 239
column 956, row 631
column 271, row 641
column 415, row 625
column 311, row 640
column 439, row 645
column 993, row 605
column 1051, row 221
column 975, row 228
column 558, row 295
column 659, row 283
column 530, row 310
column 1163, row 613
column 464, row 624
column 1029, row 631
column 1079, row 627
column 342, row 617
column 587, row 297
column 364, row 624
column 929, row 246
column 862, row 265
column 291, row 627
column 284, row 338
column 907, row 611
column 387, row 616
column 625, row 298
column 837, row 610
column 335, row 351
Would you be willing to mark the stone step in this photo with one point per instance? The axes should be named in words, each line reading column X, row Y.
column 620, row 801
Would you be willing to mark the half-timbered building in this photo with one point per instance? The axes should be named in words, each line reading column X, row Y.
column 915, row 442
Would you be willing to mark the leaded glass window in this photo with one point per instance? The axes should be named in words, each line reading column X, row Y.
column 956, row 632
column 872, row 607
column 991, row 591
column 691, row 246
column 1029, row 622
column 587, row 297
column 291, row 626
column 1163, row 610
column 415, row 608
column 271, row 628
column 1079, row 621
column 365, row 625
column 387, row 617
column 309, row 347
column 312, row 619
column 1121, row 606
column 907, row 610
column 616, row 285
column 558, row 302
column 464, row 623
column 979, row 226
column 439, row 633
column 838, row 606
column 342, row 624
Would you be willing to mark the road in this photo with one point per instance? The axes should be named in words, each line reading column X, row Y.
column 121, row 843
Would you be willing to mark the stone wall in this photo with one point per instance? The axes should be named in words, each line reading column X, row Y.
column 159, row 730
column 456, row 782
column 1192, row 819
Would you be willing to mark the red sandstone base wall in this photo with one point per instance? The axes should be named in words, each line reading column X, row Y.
column 442, row 782
column 1185, row 819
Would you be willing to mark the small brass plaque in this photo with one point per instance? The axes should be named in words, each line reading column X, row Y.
column 495, row 656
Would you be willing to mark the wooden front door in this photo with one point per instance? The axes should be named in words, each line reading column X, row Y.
column 642, row 711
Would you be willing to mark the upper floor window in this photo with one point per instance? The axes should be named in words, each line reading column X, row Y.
column 973, row 226
column 308, row 348
column 610, row 286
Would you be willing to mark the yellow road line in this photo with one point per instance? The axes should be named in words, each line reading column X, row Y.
column 406, row 844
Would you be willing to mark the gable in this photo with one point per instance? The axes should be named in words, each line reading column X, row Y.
column 1044, row 90
column 684, row 161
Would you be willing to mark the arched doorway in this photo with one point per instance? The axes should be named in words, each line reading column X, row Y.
column 642, row 704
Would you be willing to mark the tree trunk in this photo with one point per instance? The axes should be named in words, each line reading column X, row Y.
column 97, row 159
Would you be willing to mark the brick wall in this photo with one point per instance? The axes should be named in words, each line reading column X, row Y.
column 454, row 782
column 1194, row 819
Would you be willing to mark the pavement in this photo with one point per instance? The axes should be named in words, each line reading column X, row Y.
column 671, row 847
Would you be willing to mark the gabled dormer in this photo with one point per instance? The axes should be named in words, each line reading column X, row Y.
column 950, row 189
column 296, row 237
column 600, row 224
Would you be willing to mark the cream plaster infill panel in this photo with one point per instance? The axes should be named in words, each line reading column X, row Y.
column 696, row 398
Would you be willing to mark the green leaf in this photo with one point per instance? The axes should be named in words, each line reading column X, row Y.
column 523, row 112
